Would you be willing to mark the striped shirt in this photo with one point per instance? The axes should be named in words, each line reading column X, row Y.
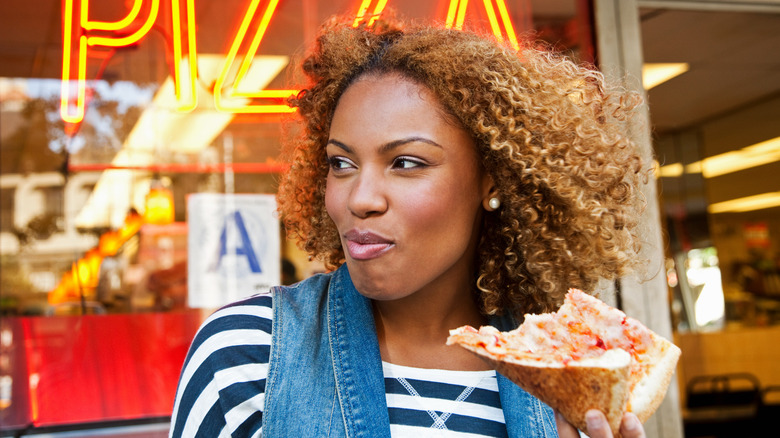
column 222, row 385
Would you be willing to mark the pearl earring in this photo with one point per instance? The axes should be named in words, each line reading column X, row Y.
column 494, row 203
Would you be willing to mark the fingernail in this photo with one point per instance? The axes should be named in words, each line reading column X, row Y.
column 632, row 423
column 594, row 420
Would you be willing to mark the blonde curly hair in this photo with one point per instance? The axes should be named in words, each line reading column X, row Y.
column 546, row 129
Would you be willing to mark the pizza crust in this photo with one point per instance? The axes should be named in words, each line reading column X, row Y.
column 649, row 392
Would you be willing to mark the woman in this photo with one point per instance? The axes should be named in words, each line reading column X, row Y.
column 447, row 180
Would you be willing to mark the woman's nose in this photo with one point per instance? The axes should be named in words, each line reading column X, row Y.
column 368, row 196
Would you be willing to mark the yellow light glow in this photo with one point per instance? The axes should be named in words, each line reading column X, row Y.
column 262, row 27
column 751, row 156
column 456, row 15
column 380, row 6
column 494, row 25
column 673, row 170
column 363, row 9
column 361, row 12
column 748, row 203
column 109, row 25
column 81, row 59
column 189, row 102
column 654, row 74
column 84, row 24
column 451, row 11
column 159, row 207
column 234, row 99
column 461, row 14
column 129, row 39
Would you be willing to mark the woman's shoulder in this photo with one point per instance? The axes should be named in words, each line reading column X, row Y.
column 255, row 306
column 234, row 323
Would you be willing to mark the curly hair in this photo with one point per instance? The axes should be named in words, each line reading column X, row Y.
column 548, row 133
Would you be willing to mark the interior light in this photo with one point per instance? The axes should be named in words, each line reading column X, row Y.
column 84, row 275
column 159, row 208
column 748, row 203
column 162, row 128
column 673, row 170
column 654, row 74
column 751, row 156
column 709, row 306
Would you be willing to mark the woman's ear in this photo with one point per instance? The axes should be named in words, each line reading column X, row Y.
column 491, row 201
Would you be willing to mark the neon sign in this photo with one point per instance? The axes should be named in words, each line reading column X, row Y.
column 82, row 34
column 221, row 98
column 363, row 9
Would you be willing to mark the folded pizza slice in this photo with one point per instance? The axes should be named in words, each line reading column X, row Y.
column 587, row 355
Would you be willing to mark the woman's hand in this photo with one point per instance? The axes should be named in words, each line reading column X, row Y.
column 598, row 427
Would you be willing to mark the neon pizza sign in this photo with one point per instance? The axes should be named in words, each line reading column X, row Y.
column 82, row 35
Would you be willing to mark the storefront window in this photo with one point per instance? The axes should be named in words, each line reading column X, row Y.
column 717, row 141
column 117, row 120
column 718, row 145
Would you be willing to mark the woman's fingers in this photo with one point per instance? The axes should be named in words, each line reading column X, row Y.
column 598, row 426
column 631, row 427
column 565, row 430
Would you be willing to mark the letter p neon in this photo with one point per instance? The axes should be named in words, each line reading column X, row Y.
column 79, row 33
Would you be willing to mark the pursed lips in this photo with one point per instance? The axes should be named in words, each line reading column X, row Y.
column 365, row 245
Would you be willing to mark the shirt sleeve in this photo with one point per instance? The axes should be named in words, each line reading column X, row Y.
column 222, row 384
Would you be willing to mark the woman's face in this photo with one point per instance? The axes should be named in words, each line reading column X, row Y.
column 405, row 189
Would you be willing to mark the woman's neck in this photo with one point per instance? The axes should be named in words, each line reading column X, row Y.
column 413, row 331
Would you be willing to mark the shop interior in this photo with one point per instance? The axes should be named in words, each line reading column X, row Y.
column 716, row 134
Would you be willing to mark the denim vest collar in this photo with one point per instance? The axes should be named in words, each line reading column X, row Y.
column 325, row 372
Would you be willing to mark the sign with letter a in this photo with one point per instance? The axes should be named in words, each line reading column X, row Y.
column 233, row 246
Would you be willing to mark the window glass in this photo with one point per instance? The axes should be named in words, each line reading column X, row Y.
column 99, row 173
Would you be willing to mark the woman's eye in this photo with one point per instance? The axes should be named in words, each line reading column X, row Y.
column 406, row 163
column 339, row 163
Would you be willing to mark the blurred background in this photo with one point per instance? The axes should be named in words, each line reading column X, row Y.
column 139, row 153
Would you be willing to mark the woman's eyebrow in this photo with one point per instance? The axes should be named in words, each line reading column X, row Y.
column 387, row 147
column 340, row 145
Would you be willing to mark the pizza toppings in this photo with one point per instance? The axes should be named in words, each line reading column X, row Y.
column 605, row 359
column 577, row 331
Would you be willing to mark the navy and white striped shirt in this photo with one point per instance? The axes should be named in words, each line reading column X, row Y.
column 222, row 385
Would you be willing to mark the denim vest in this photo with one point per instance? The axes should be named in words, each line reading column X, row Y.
column 325, row 373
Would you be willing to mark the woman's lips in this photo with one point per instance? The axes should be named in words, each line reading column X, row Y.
column 365, row 245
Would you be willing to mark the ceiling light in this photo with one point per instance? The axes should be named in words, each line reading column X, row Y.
column 669, row 171
column 657, row 73
column 756, row 155
column 749, row 203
